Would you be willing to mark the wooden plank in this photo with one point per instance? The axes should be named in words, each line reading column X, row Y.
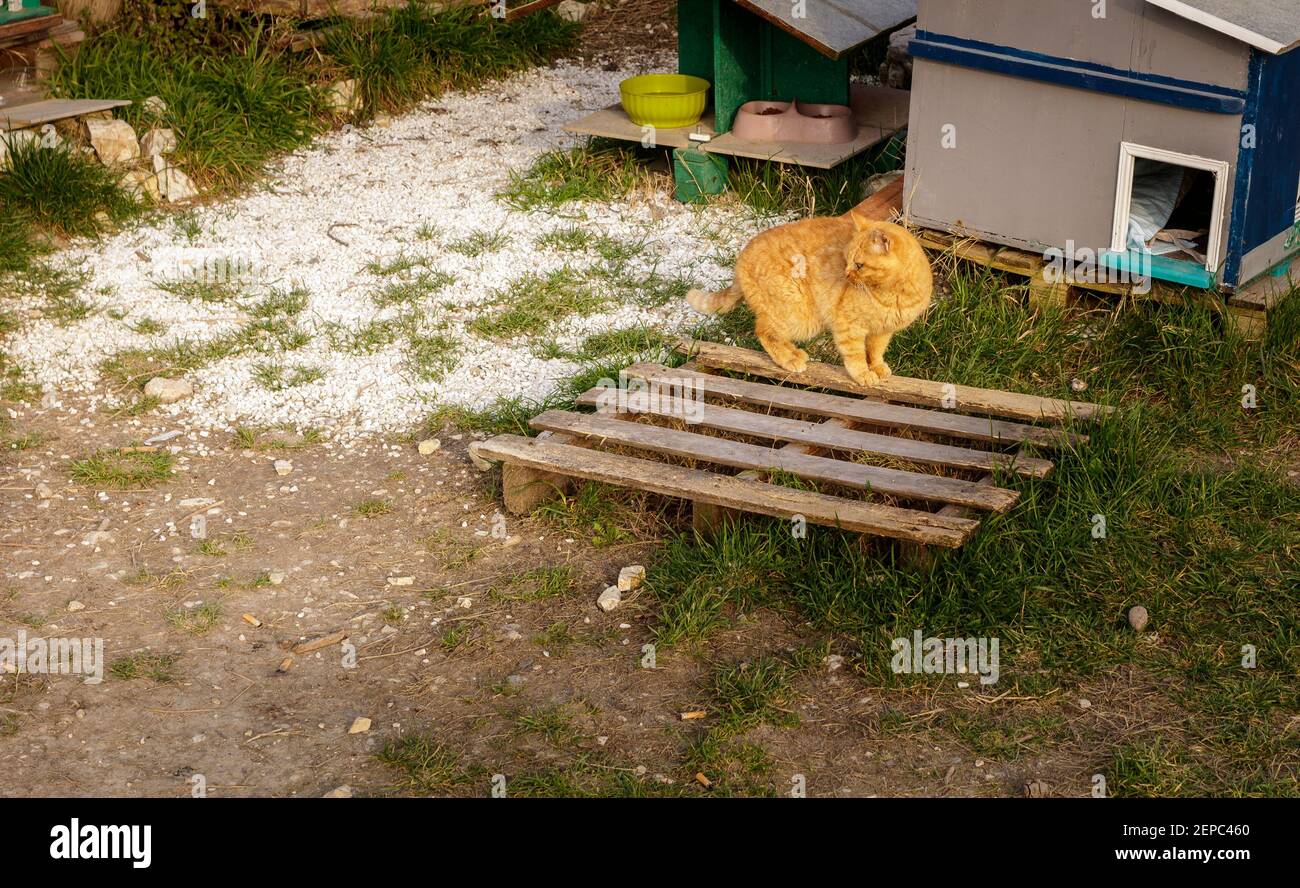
column 35, row 113
column 613, row 123
column 882, row 205
column 722, row 451
column 875, row 413
column 1267, row 290
column 991, row 402
column 744, row 494
column 832, row 436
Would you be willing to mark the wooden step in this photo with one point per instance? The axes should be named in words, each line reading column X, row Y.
column 922, row 392
column 737, row 454
column 744, row 494
column 832, row 436
column 875, row 413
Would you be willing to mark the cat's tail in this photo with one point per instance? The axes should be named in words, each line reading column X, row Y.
column 720, row 302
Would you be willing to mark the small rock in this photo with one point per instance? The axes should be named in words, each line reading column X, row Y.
column 1078, row 385
column 158, row 140
column 1036, row 789
column 1138, row 618
column 572, row 10
column 139, row 184
column 173, row 185
column 630, row 577
column 339, row 792
column 514, row 680
column 401, row 581
column 479, row 462
column 155, row 106
column 1085, row 703
column 383, row 121
column 465, row 602
column 276, row 577
column 360, row 725
column 168, row 391
column 429, row 446
column 113, row 140
column 43, row 491
column 344, row 97
column 283, row 467
column 512, row 635
column 609, row 599
column 75, row 606
column 834, row 662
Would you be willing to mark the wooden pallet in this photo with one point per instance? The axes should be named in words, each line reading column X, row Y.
column 1246, row 310
column 886, row 461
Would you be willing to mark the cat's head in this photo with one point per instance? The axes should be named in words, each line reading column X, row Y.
column 878, row 251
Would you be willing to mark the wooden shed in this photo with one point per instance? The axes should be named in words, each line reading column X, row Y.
column 1157, row 135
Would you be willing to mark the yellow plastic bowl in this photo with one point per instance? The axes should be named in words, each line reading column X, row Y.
column 664, row 100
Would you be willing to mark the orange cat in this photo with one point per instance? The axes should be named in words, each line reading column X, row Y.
column 861, row 279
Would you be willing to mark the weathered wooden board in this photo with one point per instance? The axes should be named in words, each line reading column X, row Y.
column 990, row 402
column 722, row 451
column 874, row 413
column 613, row 123
column 831, row 436
column 49, row 110
column 744, row 494
column 883, row 114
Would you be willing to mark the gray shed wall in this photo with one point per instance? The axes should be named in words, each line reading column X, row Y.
column 1036, row 164
column 1133, row 36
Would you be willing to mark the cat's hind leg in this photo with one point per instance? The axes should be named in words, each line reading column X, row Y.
column 780, row 348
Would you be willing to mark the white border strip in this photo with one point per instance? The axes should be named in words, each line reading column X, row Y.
column 1129, row 152
column 1214, row 23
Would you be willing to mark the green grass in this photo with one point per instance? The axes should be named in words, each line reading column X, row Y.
column 196, row 620
column 412, row 291
column 409, row 53
column 61, row 191
column 535, row 302
column 277, row 377
column 476, row 243
column 423, row 766
column 158, row 668
column 597, row 170
column 536, row 584
column 122, row 470
column 233, row 107
column 372, row 508
column 604, row 170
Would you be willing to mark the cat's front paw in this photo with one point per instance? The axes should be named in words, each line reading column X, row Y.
column 795, row 362
column 863, row 375
column 882, row 370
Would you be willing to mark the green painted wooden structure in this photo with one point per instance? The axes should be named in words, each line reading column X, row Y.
column 31, row 9
column 748, row 58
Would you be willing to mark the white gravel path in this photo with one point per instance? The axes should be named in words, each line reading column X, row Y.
column 437, row 166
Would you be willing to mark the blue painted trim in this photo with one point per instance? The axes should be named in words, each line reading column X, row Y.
column 1081, row 75
column 1245, row 172
column 1161, row 268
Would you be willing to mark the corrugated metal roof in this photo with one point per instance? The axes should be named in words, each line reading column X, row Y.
column 835, row 27
column 1270, row 25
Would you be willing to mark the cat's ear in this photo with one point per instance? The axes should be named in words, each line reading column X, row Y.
column 879, row 240
column 859, row 223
